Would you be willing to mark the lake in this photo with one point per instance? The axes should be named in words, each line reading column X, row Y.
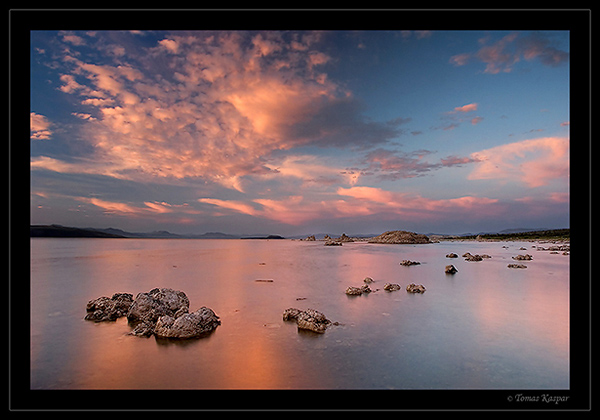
column 485, row 327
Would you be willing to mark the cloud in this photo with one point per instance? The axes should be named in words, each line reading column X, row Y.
column 39, row 128
column 476, row 120
column 534, row 162
column 465, row 108
column 209, row 105
column 502, row 55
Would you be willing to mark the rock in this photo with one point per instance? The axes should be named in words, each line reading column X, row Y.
column 473, row 258
column 485, row 256
column 148, row 307
column 451, row 255
column 355, row 291
column 415, row 288
column 409, row 262
column 450, row 269
column 523, row 248
column 466, row 254
column 391, row 287
column 310, row 319
column 368, row 280
column 190, row 325
column 310, row 238
column 344, row 238
column 520, row 257
column 517, row 266
column 331, row 243
column 399, row 237
column 108, row 309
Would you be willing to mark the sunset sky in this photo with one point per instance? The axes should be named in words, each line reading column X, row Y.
column 299, row 132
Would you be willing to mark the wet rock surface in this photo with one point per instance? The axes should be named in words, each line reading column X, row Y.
column 409, row 263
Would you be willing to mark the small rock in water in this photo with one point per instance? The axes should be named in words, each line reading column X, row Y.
column 451, row 255
column 450, row 269
column 409, row 262
column 391, row 287
column 368, row 280
column 520, row 257
column 517, row 266
column 415, row 288
column 310, row 319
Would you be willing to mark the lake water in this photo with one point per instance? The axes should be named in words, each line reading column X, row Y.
column 485, row 327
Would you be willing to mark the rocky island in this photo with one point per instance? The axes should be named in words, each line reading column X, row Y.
column 400, row 237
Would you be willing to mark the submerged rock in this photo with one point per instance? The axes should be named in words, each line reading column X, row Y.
column 450, row 269
column 391, row 287
column 108, row 309
column 409, row 262
column 310, row 319
column 475, row 257
column 451, row 255
column 331, row 243
column 190, row 325
column 415, row 288
column 400, row 237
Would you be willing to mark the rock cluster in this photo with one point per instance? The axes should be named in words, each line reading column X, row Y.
column 311, row 238
column 163, row 312
column 400, row 237
column 469, row 257
column 344, row 238
column 310, row 319
column 415, row 288
column 332, row 243
column 391, row 287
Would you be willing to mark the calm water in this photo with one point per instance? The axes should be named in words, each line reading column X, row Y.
column 486, row 327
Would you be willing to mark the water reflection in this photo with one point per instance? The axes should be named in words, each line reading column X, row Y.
column 485, row 327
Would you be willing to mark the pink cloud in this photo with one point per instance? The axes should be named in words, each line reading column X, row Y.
column 231, row 103
column 465, row 108
column 534, row 162
column 39, row 128
column 476, row 120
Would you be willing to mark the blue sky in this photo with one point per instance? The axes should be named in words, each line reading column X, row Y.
column 300, row 132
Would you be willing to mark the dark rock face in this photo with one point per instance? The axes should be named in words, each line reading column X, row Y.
column 108, row 309
column 202, row 321
column 148, row 307
column 310, row 319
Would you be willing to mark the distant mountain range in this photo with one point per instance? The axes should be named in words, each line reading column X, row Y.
column 59, row 231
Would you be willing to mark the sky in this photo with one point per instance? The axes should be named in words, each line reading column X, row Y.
column 300, row 132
